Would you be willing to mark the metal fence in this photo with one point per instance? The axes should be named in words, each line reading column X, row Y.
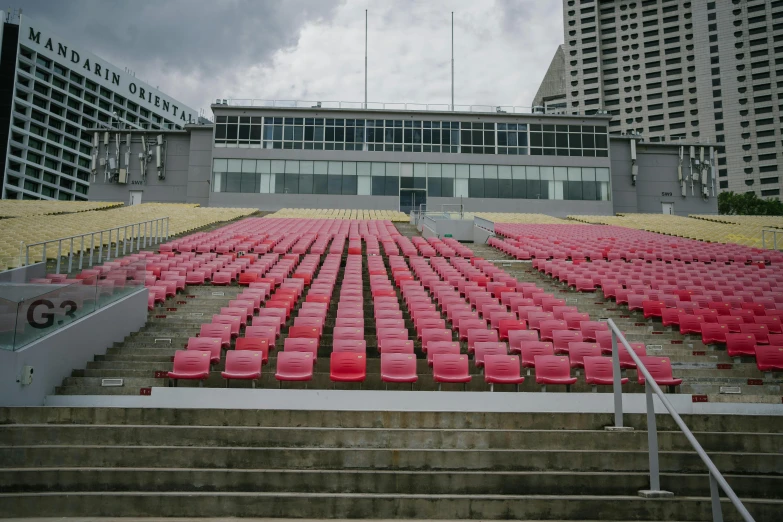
column 142, row 234
column 717, row 482
column 385, row 106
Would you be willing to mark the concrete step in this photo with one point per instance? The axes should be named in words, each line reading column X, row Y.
column 143, row 479
column 420, row 438
column 515, row 459
column 358, row 505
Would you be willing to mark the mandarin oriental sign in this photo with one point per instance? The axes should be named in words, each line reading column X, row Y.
column 90, row 66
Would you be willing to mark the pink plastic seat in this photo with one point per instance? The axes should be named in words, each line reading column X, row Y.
column 502, row 369
column 769, row 358
column 553, row 369
column 660, row 369
column 294, row 366
column 482, row 349
column 242, row 365
column 206, row 344
column 347, row 367
column 190, row 365
column 398, row 367
column 599, row 371
column 450, row 368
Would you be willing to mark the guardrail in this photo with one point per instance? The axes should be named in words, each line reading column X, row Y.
column 774, row 233
column 717, row 482
column 484, row 223
column 150, row 232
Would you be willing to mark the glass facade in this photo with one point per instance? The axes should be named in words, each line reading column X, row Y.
column 452, row 137
column 386, row 179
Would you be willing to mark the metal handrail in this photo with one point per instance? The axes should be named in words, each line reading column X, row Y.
column 774, row 232
column 717, row 482
column 155, row 231
column 402, row 106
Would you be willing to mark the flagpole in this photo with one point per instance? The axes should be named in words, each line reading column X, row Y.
column 365, row 58
column 452, row 60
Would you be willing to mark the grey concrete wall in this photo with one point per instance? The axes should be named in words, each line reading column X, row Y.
column 460, row 229
column 199, row 165
column 54, row 357
column 23, row 274
column 173, row 189
column 551, row 207
column 656, row 183
column 278, row 201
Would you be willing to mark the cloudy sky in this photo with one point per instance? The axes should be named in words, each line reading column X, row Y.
column 200, row 50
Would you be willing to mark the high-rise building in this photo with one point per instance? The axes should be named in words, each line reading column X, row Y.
column 696, row 70
column 50, row 93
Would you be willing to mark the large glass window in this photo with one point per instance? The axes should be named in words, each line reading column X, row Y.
column 385, row 179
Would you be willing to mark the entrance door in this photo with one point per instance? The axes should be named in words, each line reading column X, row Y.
column 135, row 197
column 411, row 199
column 668, row 208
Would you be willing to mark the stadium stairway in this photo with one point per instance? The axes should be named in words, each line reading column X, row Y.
column 112, row 462
column 705, row 369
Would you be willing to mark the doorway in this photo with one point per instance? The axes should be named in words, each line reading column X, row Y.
column 667, row 208
column 411, row 199
column 135, row 197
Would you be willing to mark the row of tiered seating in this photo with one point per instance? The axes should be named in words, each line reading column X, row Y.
column 728, row 296
column 504, row 327
column 33, row 229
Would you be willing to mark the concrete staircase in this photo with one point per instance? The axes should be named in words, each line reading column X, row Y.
column 317, row 464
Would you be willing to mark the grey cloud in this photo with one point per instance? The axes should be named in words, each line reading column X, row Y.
column 208, row 39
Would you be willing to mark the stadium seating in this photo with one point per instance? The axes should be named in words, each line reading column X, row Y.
column 242, row 365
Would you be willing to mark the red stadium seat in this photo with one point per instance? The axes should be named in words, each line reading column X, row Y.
column 732, row 322
column 206, row 344
column 396, row 346
column 307, row 332
column 506, row 325
column 221, row 331
column 294, row 366
column 759, row 330
column 653, row 308
column 769, row 358
column 561, row 339
column 549, row 327
column 348, row 367
column 190, row 365
column 578, row 351
column 302, row 344
column 450, row 368
column 481, row 335
column 773, row 323
column 599, row 371
column 502, row 369
column 348, row 333
column 529, row 349
column 221, row 279
column 740, row 344
column 590, row 329
column 691, row 324
column 234, row 322
column 254, row 344
column 349, row 345
column 553, row 369
column 398, row 367
column 714, row 333
column 660, row 369
column 433, row 335
column 242, row 365
column 441, row 347
column 626, row 361
column 482, row 349
column 671, row 316
column 517, row 337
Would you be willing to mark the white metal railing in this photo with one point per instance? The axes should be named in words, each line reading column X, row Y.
column 770, row 232
column 717, row 482
column 385, row 106
column 143, row 233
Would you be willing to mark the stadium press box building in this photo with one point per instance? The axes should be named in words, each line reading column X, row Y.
column 272, row 158
column 51, row 92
